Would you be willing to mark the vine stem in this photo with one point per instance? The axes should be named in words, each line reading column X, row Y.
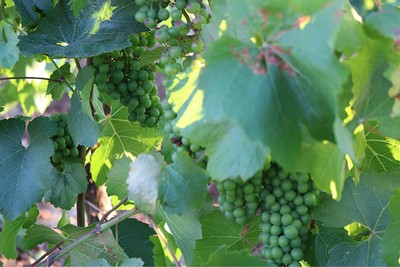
column 28, row 77
column 163, row 238
column 61, row 74
column 100, row 227
column 186, row 15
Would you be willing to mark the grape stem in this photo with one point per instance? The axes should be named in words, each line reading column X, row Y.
column 49, row 258
column 185, row 14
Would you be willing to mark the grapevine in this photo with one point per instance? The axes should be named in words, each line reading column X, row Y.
column 199, row 133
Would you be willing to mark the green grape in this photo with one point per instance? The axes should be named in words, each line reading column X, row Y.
column 180, row 4
column 291, row 232
column 117, row 76
column 176, row 15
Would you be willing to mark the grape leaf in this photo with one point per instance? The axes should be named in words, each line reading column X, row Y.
column 365, row 253
column 8, row 235
column 133, row 262
column 77, row 6
column 390, row 241
column 39, row 234
column 219, row 232
column 119, row 137
column 116, row 183
column 385, row 21
column 28, row 9
column 24, row 172
column 381, row 153
column 372, row 104
column 186, row 230
column 319, row 245
column 98, row 262
column 245, row 128
column 8, row 46
column 67, row 185
column 83, row 129
column 63, row 75
column 95, row 247
column 102, row 26
column 223, row 256
column 367, row 203
column 142, row 247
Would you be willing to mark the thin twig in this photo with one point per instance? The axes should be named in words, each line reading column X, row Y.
column 163, row 238
column 61, row 74
column 104, row 217
column 78, row 64
column 100, row 227
column 29, row 77
column 58, row 245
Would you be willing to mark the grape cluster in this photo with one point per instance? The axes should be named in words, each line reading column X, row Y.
column 179, row 142
column 64, row 148
column 120, row 75
column 239, row 200
column 286, row 202
column 181, row 38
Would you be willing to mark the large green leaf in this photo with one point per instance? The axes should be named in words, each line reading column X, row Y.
column 83, row 129
column 102, row 26
column 239, row 130
column 77, row 6
column 67, row 185
column 220, row 232
column 134, row 238
column 366, row 203
column 8, row 46
column 39, row 234
column 319, row 245
column 24, row 171
column 390, row 242
column 8, row 235
column 120, row 137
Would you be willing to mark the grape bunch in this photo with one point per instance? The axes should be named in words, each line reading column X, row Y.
column 64, row 148
column 179, row 142
column 286, row 202
column 120, row 75
column 181, row 37
column 239, row 200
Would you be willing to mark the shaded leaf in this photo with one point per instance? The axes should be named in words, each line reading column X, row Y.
column 319, row 245
column 67, row 185
column 83, row 129
column 24, row 172
column 102, row 26
column 134, row 238
column 367, row 203
column 385, row 21
column 390, row 245
column 8, row 46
